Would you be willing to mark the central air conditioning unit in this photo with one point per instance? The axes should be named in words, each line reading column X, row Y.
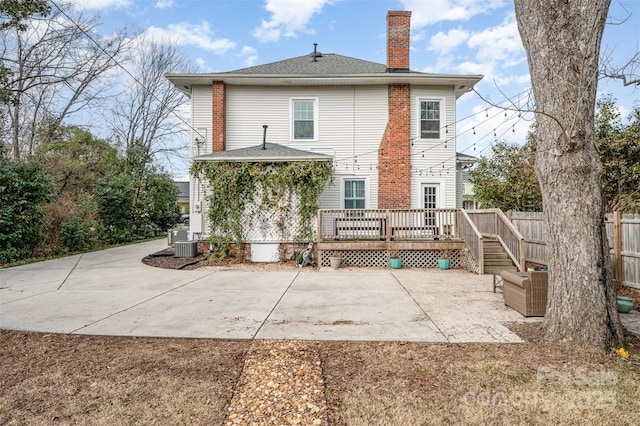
column 177, row 235
column 186, row 249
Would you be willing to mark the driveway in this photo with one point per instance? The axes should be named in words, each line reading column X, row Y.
column 111, row 292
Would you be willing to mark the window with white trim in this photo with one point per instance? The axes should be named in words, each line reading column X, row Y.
column 430, row 118
column 355, row 195
column 304, row 119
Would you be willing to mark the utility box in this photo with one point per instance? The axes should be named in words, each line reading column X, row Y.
column 186, row 249
column 178, row 234
column 195, row 223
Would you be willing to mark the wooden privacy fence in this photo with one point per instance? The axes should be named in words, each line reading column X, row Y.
column 623, row 233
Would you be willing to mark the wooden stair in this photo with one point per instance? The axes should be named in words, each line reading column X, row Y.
column 496, row 258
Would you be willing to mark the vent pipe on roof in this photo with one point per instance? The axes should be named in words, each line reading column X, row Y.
column 264, row 136
column 315, row 52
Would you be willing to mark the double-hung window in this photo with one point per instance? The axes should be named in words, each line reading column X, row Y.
column 430, row 118
column 304, row 118
column 354, row 194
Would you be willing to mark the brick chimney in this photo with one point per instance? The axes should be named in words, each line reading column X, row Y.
column 219, row 112
column 394, row 155
column 398, row 39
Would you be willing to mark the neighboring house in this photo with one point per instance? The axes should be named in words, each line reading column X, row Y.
column 183, row 195
column 465, row 192
column 390, row 131
column 469, row 201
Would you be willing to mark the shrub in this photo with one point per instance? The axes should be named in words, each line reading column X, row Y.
column 77, row 234
column 24, row 188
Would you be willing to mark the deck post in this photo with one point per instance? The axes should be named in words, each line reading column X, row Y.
column 319, row 226
column 388, row 225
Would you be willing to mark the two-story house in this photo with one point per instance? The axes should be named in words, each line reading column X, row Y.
column 389, row 131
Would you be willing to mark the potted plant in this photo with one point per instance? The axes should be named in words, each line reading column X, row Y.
column 444, row 259
column 394, row 259
column 335, row 259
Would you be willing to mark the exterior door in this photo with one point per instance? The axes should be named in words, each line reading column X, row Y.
column 430, row 194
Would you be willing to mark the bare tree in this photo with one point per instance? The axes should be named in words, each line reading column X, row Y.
column 146, row 117
column 56, row 67
column 628, row 73
column 562, row 40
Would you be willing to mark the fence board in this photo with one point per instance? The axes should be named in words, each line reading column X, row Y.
column 626, row 263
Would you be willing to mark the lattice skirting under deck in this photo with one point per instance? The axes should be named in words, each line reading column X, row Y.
column 379, row 258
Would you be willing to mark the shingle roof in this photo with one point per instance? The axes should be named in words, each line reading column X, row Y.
column 273, row 153
column 328, row 63
column 183, row 188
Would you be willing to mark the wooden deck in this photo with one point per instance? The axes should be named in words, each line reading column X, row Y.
column 368, row 236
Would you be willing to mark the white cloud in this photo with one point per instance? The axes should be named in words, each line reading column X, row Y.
column 443, row 43
column 164, row 4
column 185, row 33
column 201, row 64
column 499, row 43
column 288, row 17
column 250, row 55
column 424, row 13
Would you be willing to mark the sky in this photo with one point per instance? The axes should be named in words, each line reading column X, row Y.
column 447, row 37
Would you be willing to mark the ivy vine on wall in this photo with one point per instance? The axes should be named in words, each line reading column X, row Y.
column 281, row 190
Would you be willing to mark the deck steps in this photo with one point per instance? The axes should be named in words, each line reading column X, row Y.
column 496, row 258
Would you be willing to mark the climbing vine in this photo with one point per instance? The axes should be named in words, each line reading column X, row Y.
column 241, row 192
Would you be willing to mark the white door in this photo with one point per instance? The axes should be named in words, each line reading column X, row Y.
column 430, row 200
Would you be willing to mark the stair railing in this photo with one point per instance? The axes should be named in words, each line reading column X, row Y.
column 472, row 238
column 511, row 239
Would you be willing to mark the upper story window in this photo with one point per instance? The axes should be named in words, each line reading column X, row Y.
column 430, row 118
column 304, row 118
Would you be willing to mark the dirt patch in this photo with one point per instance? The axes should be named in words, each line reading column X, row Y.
column 536, row 383
column 50, row 379
column 60, row 379
column 165, row 259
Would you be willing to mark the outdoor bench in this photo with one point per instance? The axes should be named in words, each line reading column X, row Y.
column 526, row 292
column 359, row 227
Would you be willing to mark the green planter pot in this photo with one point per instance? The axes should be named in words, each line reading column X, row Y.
column 625, row 304
column 395, row 263
column 444, row 263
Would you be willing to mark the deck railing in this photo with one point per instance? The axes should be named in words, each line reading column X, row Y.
column 387, row 225
column 473, row 239
column 511, row 239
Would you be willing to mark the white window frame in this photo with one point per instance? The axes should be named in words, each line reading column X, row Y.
column 316, row 124
column 443, row 117
column 367, row 194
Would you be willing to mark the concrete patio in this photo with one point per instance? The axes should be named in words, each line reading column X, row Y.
column 112, row 292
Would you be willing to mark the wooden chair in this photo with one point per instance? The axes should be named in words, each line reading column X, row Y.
column 526, row 292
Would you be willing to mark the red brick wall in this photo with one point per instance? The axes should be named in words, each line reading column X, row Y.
column 219, row 136
column 394, row 155
column 398, row 39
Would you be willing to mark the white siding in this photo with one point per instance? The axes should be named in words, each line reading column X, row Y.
column 428, row 156
column 202, row 119
column 351, row 124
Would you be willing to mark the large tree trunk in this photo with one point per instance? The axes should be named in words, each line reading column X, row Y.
column 562, row 40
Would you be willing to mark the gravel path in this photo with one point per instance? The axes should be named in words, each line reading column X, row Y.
column 281, row 384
